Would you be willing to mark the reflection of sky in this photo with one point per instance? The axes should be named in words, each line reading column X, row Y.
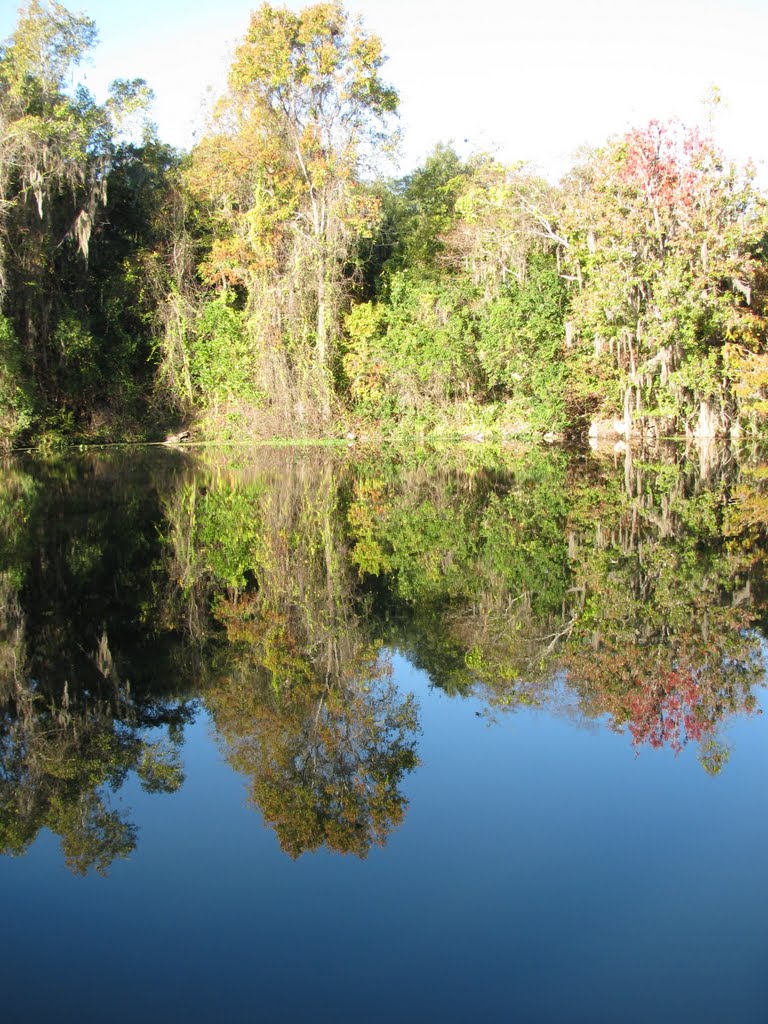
column 537, row 79
column 543, row 872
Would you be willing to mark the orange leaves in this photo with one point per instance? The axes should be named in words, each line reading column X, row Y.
column 226, row 262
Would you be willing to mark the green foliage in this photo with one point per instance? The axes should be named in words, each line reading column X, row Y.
column 229, row 531
column 435, row 342
column 16, row 406
column 521, row 345
column 662, row 238
column 281, row 176
column 79, row 374
column 417, row 348
column 70, row 293
column 635, row 290
column 223, row 356
column 421, row 211
column 160, row 768
column 266, row 283
column 467, row 541
column 471, row 306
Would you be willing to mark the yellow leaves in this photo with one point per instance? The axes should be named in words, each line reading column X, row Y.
column 322, row 27
column 367, row 377
column 282, row 48
column 264, row 58
column 364, row 515
column 749, row 374
column 366, row 51
column 749, row 509
column 281, row 171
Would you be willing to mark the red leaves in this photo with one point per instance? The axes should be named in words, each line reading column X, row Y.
column 667, row 712
column 665, row 162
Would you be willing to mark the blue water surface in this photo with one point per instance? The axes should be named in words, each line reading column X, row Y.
column 545, row 871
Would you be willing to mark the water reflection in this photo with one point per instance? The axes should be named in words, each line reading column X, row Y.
column 135, row 588
column 83, row 692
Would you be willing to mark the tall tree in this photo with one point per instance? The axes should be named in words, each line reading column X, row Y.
column 664, row 237
column 283, row 168
column 56, row 145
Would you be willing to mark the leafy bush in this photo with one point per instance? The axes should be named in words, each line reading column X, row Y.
column 16, row 406
column 223, row 357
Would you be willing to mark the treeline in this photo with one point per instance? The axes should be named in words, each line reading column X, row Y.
column 270, row 282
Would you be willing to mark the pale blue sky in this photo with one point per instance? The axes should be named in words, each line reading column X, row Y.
column 531, row 81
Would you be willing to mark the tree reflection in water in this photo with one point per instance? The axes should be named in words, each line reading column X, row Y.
column 133, row 589
column 304, row 701
column 80, row 704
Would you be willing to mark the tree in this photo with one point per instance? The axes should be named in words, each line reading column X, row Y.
column 471, row 304
column 302, row 697
column 283, row 169
column 55, row 154
column 324, row 759
column 421, row 212
column 663, row 238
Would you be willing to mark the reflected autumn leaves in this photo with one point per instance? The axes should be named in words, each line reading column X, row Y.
column 134, row 590
column 302, row 698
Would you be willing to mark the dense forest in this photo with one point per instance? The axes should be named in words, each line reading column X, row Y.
column 274, row 281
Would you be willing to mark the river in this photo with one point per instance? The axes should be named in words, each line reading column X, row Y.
column 425, row 734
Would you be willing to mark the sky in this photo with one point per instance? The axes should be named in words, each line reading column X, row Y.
column 532, row 81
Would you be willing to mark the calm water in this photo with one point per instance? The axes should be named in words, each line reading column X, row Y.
column 453, row 736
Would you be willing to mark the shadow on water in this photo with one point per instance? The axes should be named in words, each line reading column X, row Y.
column 136, row 588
